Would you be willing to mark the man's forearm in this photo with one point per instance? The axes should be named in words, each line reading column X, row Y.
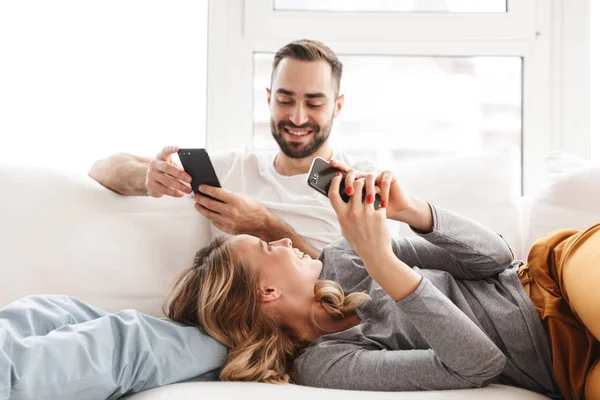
column 122, row 173
column 277, row 229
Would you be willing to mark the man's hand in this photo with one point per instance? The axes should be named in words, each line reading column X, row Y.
column 238, row 214
column 165, row 178
column 234, row 213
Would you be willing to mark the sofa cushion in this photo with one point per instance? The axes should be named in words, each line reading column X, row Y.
column 479, row 186
column 236, row 390
column 570, row 199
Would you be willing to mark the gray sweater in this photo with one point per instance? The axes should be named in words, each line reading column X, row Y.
column 469, row 322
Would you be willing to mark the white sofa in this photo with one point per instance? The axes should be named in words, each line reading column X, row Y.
column 64, row 233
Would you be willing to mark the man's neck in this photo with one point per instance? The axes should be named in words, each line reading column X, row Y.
column 287, row 166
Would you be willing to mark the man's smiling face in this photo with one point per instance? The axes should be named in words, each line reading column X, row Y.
column 303, row 100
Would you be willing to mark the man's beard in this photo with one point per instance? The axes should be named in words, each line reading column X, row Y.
column 300, row 150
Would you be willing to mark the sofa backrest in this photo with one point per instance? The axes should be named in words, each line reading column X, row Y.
column 569, row 200
column 484, row 187
column 66, row 234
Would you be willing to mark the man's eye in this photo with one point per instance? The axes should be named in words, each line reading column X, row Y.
column 285, row 103
column 314, row 105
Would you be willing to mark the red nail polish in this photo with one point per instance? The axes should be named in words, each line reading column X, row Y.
column 338, row 174
column 369, row 198
column 349, row 190
column 383, row 204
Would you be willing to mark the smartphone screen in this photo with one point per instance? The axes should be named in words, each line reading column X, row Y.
column 197, row 164
column 320, row 176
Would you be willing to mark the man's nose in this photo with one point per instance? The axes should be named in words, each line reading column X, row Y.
column 299, row 115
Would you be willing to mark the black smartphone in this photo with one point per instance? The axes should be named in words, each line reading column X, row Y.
column 197, row 164
column 320, row 176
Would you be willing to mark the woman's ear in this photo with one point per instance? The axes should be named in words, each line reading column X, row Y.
column 269, row 294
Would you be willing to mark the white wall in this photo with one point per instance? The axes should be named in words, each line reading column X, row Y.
column 595, row 79
column 80, row 80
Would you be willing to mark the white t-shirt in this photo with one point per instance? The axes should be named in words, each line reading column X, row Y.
column 289, row 197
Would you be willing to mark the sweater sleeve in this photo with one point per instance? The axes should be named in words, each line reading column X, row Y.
column 458, row 245
column 460, row 354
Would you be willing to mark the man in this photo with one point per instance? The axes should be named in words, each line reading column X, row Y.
column 304, row 99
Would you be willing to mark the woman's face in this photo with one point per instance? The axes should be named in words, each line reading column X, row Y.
column 284, row 272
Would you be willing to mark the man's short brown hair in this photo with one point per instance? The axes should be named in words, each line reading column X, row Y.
column 310, row 50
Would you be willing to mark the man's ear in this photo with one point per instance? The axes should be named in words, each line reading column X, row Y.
column 269, row 96
column 339, row 103
column 269, row 294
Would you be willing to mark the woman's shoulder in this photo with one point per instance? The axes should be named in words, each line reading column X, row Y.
column 343, row 265
column 340, row 245
column 336, row 253
column 311, row 366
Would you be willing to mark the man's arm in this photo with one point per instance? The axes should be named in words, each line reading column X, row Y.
column 122, row 173
column 140, row 176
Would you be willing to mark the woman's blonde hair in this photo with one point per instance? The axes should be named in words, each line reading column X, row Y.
column 221, row 294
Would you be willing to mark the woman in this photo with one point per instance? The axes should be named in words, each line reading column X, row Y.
column 446, row 310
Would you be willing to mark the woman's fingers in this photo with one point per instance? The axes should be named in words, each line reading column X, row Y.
column 384, row 181
column 374, row 183
column 351, row 175
column 334, row 194
column 349, row 182
column 339, row 165
column 356, row 202
column 370, row 189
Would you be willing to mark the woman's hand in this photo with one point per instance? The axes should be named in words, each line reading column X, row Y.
column 363, row 227
column 399, row 205
column 393, row 197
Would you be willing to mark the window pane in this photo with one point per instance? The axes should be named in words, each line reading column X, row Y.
column 419, row 107
column 438, row 6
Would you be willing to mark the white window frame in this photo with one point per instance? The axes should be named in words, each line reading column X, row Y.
column 239, row 28
column 261, row 22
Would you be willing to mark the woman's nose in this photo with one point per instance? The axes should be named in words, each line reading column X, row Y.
column 283, row 242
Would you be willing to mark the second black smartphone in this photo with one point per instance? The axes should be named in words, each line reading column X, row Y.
column 197, row 164
column 320, row 176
